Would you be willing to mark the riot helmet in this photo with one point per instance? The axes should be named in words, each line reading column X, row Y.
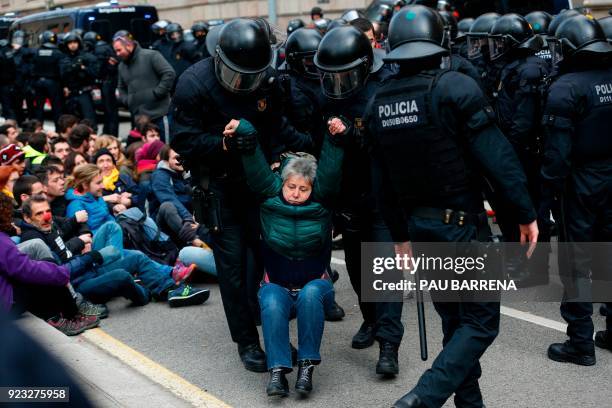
column 322, row 25
column 159, row 27
column 336, row 23
column 243, row 56
column 606, row 26
column 463, row 26
column 450, row 24
column 512, row 32
column 174, row 32
column 416, row 32
column 48, row 38
column 344, row 60
column 91, row 38
column 199, row 29
column 351, row 15
column 72, row 36
column 300, row 50
column 559, row 18
column 295, row 24
column 579, row 37
column 18, row 38
column 212, row 39
column 478, row 36
column 539, row 20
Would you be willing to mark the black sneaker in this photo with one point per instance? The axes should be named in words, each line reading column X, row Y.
column 567, row 353
column 387, row 359
column 253, row 358
column 603, row 339
column 364, row 337
column 303, row 385
column 185, row 295
column 87, row 308
column 278, row 385
column 334, row 313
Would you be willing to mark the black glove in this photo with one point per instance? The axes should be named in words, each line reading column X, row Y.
column 243, row 143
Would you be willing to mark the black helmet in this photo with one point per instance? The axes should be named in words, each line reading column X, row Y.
column 351, row 15
column 294, row 25
column 73, row 36
column 450, row 23
column 48, row 38
column 212, row 39
column 539, row 20
column 243, row 55
column 300, row 50
column 336, row 23
column 199, row 29
column 415, row 32
column 91, row 38
column 322, row 25
column 463, row 26
column 344, row 60
column 174, row 32
column 478, row 36
column 578, row 37
column 159, row 27
column 512, row 31
column 559, row 18
column 606, row 25
column 18, row 38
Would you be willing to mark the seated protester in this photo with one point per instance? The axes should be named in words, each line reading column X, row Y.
column 65, row 123
column 8, row 176
column 22, row 139
column 74, row 160
column 78, row 139
column 39, row 287
column 62, row 237
column 25, row 187
column 13, row 155
column 164, row 282
column 32, row 126
column 170, row 203
column 55, row 185
column 118, row 188
column 36, row 151
column 114, row 146
column 151, row 133
column 60, row 148
column 137, row 134
column 53, row 161
column 11, row 132
column 147, row 158
column 296, row 232
column 130, row 154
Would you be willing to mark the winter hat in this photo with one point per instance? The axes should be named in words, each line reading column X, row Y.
column 10, row 154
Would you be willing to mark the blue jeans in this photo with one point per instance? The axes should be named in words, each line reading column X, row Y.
column 278, row 304
column 203, row 258
column 103, row 287
column 109, row 234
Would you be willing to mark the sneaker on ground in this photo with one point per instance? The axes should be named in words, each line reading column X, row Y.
column 86, row 308
column 185, row 295
column 74, row 326
column 181, row 272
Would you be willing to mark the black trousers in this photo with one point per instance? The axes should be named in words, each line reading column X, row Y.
column 110, row 107
column 48, row 88
column 43, row 301
column 83, row 102
column 469, row 328
column 367, row 226
column 238, row 259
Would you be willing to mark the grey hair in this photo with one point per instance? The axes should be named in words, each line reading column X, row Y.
column 304, row 165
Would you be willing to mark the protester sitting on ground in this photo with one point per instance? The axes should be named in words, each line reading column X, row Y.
column 8, row 176
column 114, row 146
column 25, row 187
column 60, row 148
column 36, row 151
column 170, row 204
column 130, row 154
column 11, row 131
column 137, row 133
column 32, row 126
column 53, row 161
column 55, row 185
column 118, row 188
column 74, row 160
column 65, row 239
column 79, row 139
column 39, row 287
column 13, row 155
column 147, row 157
column 296, row 232
column 151, row 133
column 65, row 123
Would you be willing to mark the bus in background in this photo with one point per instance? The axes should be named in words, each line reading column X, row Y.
column 5, row 25
column 105, row 19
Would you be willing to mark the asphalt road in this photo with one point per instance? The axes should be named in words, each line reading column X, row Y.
column 195, row 343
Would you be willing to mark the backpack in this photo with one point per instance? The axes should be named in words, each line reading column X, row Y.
column 135, row 236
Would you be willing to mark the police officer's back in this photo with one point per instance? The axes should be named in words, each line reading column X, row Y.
column 577, row 169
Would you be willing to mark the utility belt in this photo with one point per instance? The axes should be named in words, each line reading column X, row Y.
column 207, row 209
column 448, row 216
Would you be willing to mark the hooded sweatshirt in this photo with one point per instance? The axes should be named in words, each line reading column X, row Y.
column 96, row 208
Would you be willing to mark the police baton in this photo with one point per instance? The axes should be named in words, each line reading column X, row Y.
column 421, row 317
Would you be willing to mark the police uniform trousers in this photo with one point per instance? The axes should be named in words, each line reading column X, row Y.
column 110, row 107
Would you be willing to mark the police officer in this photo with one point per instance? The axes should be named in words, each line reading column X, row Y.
column 17, row 60
column 107, row 79
column 79, row 70
column 199, row 29
column 235, row 84
column 294, row 25
column 179, row 53
column 518, row 103
column 46, row 77
column 460, row 42
column 160, row 42
column 606, row 25
column 349, row 75
column 456, row 61
column 478, row 51
column 426, row 160
column 577, row 169
column 539, row 22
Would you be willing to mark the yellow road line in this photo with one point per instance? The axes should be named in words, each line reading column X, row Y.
column 155, row 372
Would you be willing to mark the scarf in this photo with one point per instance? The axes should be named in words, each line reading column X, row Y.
column 110, row 180
column 7, row 192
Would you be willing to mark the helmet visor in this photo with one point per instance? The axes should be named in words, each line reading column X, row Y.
column 476, row 45
column 498, row 46
column 341, row 85
column 310, row 70
column 235, row 81
column 556, row 51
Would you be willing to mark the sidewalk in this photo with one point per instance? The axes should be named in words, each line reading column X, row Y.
column 106, row 380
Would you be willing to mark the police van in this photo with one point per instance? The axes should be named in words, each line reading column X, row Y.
column 104, row 18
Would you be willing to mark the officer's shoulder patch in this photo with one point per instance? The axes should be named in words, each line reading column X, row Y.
column 602, row 93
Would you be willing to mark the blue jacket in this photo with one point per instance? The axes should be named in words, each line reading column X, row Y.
column 169, row 186
column 96, row 208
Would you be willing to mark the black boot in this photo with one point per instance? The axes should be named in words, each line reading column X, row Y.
column 410, row 400
column 567, row 353
column 603, row 339
column 364, row 337
column 387, row 359
column 303, row 385
column 253, row 358
column 278, row 385
column 334, row 313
